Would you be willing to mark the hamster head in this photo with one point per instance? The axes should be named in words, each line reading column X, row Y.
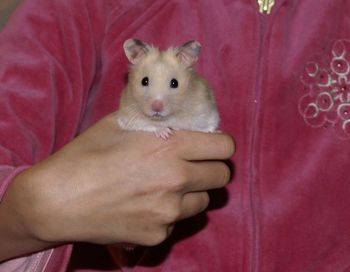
column 158, row 80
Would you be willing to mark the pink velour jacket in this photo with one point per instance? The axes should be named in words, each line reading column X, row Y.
column 282, row 82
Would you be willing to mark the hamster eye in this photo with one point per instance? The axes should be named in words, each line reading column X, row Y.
column 145, row 81
column 174, row 83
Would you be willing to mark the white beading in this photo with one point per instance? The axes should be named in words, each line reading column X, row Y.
column 326, row 84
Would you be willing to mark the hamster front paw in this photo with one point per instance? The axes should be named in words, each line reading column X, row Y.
column 163, row 133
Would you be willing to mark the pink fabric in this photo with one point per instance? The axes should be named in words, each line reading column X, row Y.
column 283, row 88
column 33, row 263
column 51, row 260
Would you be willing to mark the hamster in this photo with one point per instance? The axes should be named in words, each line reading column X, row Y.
column 164, row 92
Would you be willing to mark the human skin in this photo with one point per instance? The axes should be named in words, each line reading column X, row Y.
column 109, row 186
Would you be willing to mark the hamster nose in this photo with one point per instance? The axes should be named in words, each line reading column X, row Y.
column 157, row 105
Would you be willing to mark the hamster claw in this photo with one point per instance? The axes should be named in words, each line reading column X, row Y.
column 163, row 133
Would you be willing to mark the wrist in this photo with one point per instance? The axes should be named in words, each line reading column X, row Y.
column 27, row 206
column 20, row 233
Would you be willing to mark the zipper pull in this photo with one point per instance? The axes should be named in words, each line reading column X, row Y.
column 265, row 6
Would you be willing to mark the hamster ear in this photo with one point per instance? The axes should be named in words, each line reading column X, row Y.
column 135, row 50
column 188, row 53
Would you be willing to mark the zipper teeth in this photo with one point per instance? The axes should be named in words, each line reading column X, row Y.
column 254, row 142
column 265, row 23
column 265, row 6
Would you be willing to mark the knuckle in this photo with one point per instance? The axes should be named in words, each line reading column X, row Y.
column 165, row 148
column 157, row 237
column 174, row 215
column 205, row 202
column 170, row 215
column 165, row 212
column 222, row 174
column 229, row 145
column 178, row 179
column 226, row 174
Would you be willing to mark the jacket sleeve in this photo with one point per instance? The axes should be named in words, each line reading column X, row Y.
column 48, row 56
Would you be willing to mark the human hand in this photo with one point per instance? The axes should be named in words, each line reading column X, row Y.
column 109, row 186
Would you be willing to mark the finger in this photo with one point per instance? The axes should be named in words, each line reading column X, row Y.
column 193, row 204
column 207, row 175
column 204, row 146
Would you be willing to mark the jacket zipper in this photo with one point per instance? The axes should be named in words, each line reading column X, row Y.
column 265, row 6
column 253, row 167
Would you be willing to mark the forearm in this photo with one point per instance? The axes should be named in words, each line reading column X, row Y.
column 34, row 76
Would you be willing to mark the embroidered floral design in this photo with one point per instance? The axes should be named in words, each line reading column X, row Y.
column 326, row 87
